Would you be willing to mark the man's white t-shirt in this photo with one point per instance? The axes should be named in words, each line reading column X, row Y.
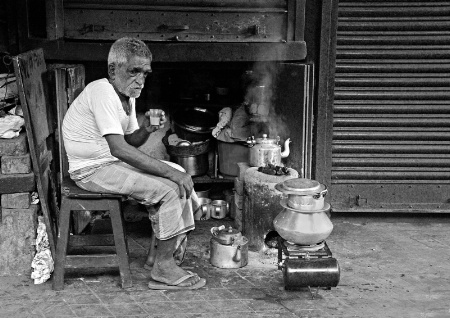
column 96, row 112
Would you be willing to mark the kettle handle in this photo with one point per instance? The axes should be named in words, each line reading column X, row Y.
column 216, row 211
column 204, row 209
column 216, row 229
column 237, row 257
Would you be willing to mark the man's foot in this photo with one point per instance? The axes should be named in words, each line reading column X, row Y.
column 173, row 275
column 177, row 285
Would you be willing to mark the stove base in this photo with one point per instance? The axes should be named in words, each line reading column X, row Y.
column 307, row 266
column 314, row 272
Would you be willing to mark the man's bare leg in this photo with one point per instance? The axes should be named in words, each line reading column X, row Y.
column 178, row 254
column 151, row 253
column 165, row 269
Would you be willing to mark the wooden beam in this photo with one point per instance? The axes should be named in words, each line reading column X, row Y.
column 55, row 19
column 177, row 52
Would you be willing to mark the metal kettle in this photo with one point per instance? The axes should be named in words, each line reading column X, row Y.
column 229, row 248
column 266, row 150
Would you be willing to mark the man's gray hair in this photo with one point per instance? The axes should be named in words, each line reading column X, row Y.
column 123, row 48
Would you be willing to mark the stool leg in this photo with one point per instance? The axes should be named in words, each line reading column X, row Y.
column 61, row 245
column 121, row 244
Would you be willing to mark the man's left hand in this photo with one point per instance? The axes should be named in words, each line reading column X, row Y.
column 152, row 127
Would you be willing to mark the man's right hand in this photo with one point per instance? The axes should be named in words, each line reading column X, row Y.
column 184, row 182
column 123, row 151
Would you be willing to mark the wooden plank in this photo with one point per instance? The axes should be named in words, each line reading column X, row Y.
column 75, row 81
column 69, row 82
column 299, row 20
column 91, row 240
column 98, row 261
column 61, row 108
column 179, row 26
column 30, row 69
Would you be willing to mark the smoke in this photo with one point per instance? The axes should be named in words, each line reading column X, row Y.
column 261, row 100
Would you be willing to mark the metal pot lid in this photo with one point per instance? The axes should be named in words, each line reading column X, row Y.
column 300, row 186
column 196, row 119
column 225, row 235
column 326, row 208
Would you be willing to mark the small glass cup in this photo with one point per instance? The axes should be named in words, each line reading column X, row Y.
column 155, row 116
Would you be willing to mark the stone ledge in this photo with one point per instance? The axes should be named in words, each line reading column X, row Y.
column 15, row 183
column 14, row 146
column 16, row 164
column 16, row 201
column 17, row 239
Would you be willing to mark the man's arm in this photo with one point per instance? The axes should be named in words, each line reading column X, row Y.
column 122, row 150
column 139, row 136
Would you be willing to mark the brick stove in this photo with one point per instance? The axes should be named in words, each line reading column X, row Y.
column 18, row 216
column 261, row 204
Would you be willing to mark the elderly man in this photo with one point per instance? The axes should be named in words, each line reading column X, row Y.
column 101, row 136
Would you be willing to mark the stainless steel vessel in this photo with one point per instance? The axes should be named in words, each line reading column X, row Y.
column 266, row 150
column 304, row 218
column 229, row 249
column 303, row 225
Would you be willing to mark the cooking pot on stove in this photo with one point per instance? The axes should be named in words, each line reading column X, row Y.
column 194, row 123
column 304, row 218
column 304, row 194
column 266, row 150
column 229, row 249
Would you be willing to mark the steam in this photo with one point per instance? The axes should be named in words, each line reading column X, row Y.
column 261, row 99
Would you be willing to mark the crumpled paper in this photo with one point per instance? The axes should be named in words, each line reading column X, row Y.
column 10, row 126
column 42, row 264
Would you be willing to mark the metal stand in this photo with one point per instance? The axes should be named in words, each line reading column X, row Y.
column 307, row 266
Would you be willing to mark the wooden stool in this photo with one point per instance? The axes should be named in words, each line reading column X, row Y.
column 75, row 199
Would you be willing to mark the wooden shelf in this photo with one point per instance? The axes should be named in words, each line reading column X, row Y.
column 210, row 179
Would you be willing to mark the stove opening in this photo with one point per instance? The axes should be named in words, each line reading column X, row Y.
column 271, row 239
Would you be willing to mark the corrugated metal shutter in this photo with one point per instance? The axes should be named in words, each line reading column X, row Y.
column 391, row 121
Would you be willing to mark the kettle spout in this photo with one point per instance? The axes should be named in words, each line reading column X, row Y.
column 286, row 150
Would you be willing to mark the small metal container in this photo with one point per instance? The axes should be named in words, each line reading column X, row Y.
column 229, row 249
column 219, row 209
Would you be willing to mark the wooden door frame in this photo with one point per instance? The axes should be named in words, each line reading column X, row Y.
column 325, row 93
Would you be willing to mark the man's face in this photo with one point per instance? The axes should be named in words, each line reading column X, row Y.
column 129, row 78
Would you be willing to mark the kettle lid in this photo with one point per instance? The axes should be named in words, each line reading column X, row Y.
column 266, row 140
column 226, row 235
column 300, row 186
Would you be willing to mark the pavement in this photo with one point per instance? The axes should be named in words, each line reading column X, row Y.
column 391, row 266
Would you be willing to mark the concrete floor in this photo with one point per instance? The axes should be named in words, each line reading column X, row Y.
column 391, row 266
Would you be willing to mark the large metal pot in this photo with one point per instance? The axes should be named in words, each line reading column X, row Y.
column 194, row 123
column 304, row 219
column 194, row 165
column 192, row 157
column 303, row 227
